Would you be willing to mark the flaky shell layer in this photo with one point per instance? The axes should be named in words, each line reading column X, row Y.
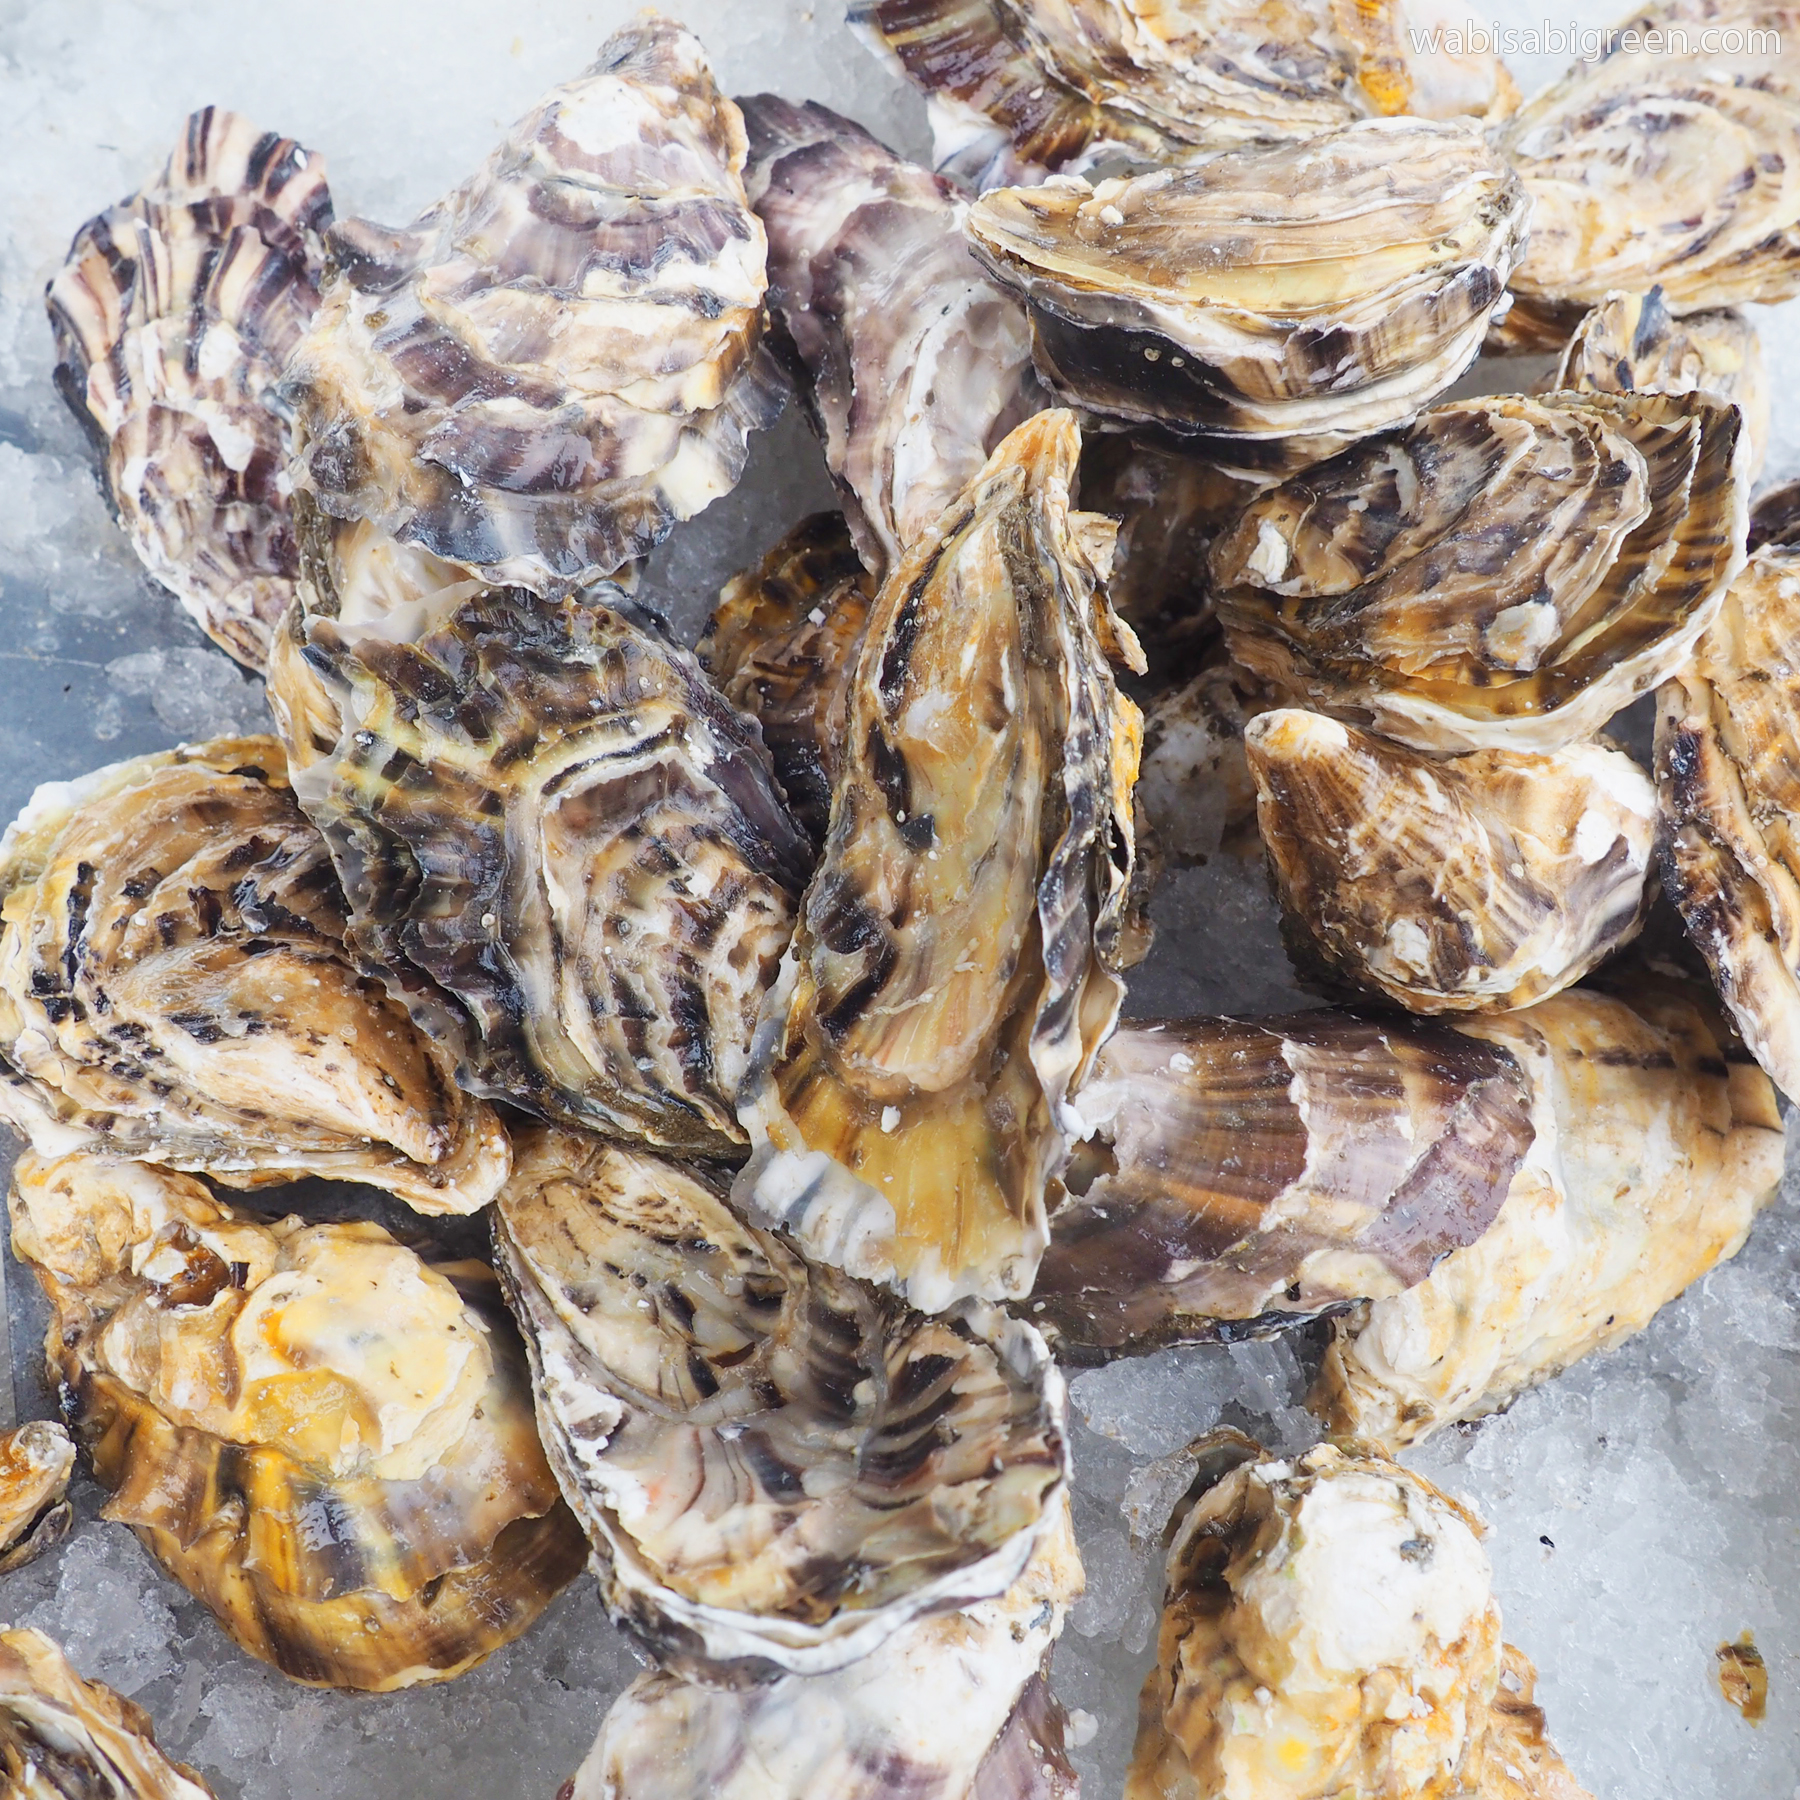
column 36, row 1461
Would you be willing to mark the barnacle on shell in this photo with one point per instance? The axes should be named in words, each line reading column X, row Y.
column 36, row 1460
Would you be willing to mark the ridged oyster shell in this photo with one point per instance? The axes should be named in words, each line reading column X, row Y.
column 556, row 362
column 174, row 986
column 908, row 1101
column 1473, row 883
column 36, row 1461
column 1243, row 1172
column 1657, row 1143
column 173, row 316
column 1379, row 252
column 1505, row 573
column 779, row 1466
column 236, row 1383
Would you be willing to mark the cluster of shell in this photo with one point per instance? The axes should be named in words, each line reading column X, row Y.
column 770, row 995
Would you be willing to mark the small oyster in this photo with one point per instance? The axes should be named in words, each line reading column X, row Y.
column 908, row 1100
column 782, row 645
column 557, row 361
column 1470, row 883
column 1380, row 250
column 173, row 315
column 1194, row 783
column 913, row 362
column 174, row 986
column 1330, row 1629
column 62, row 1738
column 1657, row 1143
column 36, row 1461
column 778, row 1466
column 1241, row 1173
column 321, row 1436
column 1503, row 574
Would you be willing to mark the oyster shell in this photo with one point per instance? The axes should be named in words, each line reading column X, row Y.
column 1657, row 1143
column 1241, row 1173
column 778, row 1466
column 1330, row 1628
column 908, row 1099
column 782, row 645
column 557, row 361
column 173, row 315
column 174, row 986
column 36, row 1461
column 1471, row 883
column 912, row 361
column 1775, row 518
column 1379, row 253
column 1194, row 784
column 1503, row 574
column 62, row 1738
column 237, row 1384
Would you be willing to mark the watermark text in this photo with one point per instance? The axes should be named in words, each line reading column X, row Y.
column 1589, row 43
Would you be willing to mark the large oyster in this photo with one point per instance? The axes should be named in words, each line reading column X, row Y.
column 1330, row 1629
column 1379, row 252
column 556, row 361
column 778, row 1465
column 174, row 985
column 913, row 362
column 951, row 975
column 1505, row 573
column 62, row 1738
column 36, row 1460
column 323, row 1437
column 173, row 316
column 1243, row 1172
column 1456, row 884
column 1657, row 1143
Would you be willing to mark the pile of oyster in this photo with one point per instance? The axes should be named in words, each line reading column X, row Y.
column 770, row 996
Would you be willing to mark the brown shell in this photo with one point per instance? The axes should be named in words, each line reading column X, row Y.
column 36, row 1461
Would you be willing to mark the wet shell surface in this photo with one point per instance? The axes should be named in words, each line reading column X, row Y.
column 173, row 315
column 1503, row 574
column 236, row 1382
column 1657, row 1143
column 36, row 1461
column 1194, row 784
column 1473, row 883
column 1378, row 254
column 557, row 361
column 1240, row 1173
column 913, row 362
column 174, row 986
column 908, row 1103
column 779, row 1466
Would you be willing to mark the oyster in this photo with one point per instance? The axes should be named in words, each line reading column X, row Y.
column 782, row 644
column 1241, row 1173
column 1657, row 1143
column 1470, row 883
column 173, row 315
column 323, row 1437
column 174, row 986
column 36, row 1461
column 912, row 361
column 1194, row 783
column 778, row 1466
column 557, row 361
column 1775, row 518
column 1503, row 574
column 1330, row 1629
column 908, row 1101
column 1380, row 250
column 62, row 1738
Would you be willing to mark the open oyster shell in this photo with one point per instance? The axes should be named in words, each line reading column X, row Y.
column 36, row 1461
column 1378, row 254
column 1471, row 883
column 173, row 316
column 174, row 986
column 1505, row 573
column 237, row 1383
column 1240, row 1173
column 1657, row 1142
column 909, row 1100
column 779, row 1466
column 557, row 361
column 62, row 1738
column 912, row 361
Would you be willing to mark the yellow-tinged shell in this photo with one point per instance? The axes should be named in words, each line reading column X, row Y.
column 174, row 985
column 952, row 973
column 234, row 1381
column 36, row 1461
